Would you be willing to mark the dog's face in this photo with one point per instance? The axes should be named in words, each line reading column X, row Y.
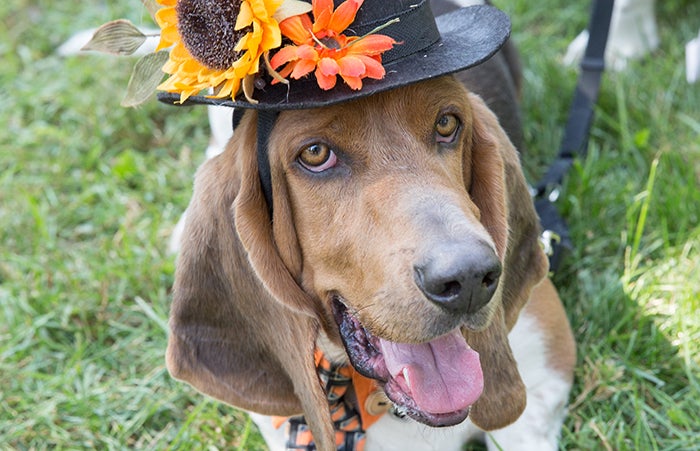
column 392, row 241
column 382, row 215
column 402, row 225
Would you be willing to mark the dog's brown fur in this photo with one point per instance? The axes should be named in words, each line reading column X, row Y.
column 252, row 293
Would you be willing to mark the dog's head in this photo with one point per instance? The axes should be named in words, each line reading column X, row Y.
column 401, row 224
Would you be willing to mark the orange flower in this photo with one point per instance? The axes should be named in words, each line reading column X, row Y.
column 322, row 47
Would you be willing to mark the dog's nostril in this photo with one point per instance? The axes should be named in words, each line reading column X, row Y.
column 451, row 289
column 442, row 289
column 491, row 278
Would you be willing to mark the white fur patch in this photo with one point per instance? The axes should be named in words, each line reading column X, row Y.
column 539, row 426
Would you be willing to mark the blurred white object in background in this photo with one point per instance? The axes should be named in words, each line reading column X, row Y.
column 220, row 118
column 633, row 34
column 692, row 60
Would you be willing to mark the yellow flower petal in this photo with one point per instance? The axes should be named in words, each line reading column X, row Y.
column 166, row 17
column 245, row 16
column 271, row 36
column 168, row 36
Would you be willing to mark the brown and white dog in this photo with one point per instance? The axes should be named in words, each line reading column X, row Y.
column 418, row 231
column 403, row 241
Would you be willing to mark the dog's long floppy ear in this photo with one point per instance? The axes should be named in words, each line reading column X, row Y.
column 242, row 330
column 508, row 214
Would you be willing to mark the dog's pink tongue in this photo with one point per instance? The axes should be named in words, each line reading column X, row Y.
column 442, row 376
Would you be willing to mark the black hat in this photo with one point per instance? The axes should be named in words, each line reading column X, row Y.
column 427, row 47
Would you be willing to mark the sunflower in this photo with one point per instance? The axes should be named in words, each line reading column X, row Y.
column 215, row 43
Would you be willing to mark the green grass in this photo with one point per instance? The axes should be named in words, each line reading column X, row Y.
column 89, row 193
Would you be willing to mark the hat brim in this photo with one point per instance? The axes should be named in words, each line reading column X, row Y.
column 469, row 36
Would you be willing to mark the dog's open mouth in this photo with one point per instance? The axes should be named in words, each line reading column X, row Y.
column 434, row 382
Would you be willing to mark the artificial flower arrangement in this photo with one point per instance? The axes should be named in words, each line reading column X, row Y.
column 220, row 46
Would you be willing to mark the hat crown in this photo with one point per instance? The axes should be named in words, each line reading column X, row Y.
column 378, row 11
column 415, row 30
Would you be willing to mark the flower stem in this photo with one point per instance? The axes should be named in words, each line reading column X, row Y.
column 318, row 41
column 374, row 31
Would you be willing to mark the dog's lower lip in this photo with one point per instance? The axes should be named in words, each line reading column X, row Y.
column 360, row 345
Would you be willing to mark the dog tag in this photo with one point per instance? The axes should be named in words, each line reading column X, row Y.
column 377, row 403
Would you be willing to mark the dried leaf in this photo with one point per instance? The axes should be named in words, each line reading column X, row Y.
column 290, row 8
column 276, row 75
column 152, row 7
column 248, row 88
column 118, row 37
column 145, row 78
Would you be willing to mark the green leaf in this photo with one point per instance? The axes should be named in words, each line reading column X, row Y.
column 118, row 37
column 145, row 78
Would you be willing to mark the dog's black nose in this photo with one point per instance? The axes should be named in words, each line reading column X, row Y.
column 461, row 279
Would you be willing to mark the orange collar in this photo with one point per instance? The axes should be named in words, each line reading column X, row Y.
column 351, row 417
column 371, row 403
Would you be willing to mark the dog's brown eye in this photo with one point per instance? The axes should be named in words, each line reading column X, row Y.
column 446, row 127
column 317, row 157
